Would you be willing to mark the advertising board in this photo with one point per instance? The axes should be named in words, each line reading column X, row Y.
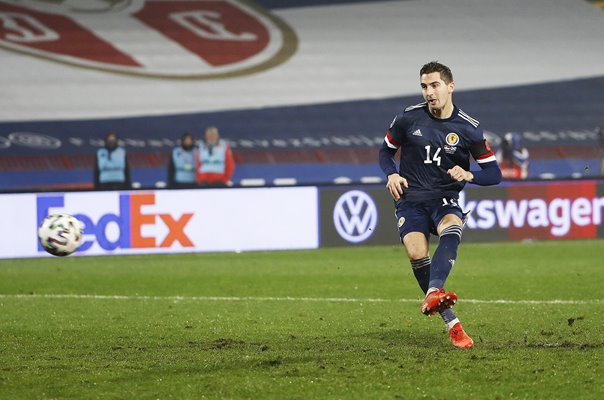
column 175, row 221
column 510, row 211
column 169, row 221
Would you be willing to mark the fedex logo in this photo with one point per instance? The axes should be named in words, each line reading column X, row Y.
column 128, row 228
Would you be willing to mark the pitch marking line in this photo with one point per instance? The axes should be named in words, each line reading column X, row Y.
column 302, row 299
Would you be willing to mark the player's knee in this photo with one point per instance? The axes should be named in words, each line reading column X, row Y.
column 448, row 221
column 416, row 253
column 416, row 245
column 452, row 231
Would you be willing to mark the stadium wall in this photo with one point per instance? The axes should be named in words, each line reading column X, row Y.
column 209, row 220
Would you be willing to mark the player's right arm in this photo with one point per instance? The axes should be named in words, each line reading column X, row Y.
column 391, row 144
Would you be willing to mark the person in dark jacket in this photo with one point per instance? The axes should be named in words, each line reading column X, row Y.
column 181, row 168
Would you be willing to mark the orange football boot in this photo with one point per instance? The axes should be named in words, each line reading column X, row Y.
column 459, row 337
column 437, row 300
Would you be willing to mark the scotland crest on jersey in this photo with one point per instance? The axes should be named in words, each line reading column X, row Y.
column 452, row 139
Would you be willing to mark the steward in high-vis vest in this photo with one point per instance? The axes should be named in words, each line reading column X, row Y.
column 111, row 170
column 215, row 163
column 181, row 169
column 513, row 157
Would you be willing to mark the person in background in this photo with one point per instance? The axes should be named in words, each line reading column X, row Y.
column 513, row 158
column 215, row 163
column 181, row 168
column 111, row 170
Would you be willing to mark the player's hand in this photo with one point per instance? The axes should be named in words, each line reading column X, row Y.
column 460, row 175
column 395, row 185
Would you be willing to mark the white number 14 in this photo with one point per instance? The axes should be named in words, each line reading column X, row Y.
column 435, row 158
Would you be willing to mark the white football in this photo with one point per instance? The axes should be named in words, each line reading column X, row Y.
column 60, row 234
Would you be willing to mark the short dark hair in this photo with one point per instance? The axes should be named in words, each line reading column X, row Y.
column 434, row 66
column 112, row 133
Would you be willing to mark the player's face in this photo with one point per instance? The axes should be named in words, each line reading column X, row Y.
column 436, row 91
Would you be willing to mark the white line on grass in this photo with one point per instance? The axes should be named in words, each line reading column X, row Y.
column 260, row 298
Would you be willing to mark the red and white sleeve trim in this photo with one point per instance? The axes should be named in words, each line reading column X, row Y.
column 486, row 158
column 393, row 144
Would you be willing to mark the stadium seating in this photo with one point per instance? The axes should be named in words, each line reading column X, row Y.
column 315, row 144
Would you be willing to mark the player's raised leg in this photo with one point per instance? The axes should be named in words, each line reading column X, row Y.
column 449, row 231
column 459, row 338
column 421, row 270
column 416, row 244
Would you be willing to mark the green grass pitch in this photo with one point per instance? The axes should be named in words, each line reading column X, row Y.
column 327, row 324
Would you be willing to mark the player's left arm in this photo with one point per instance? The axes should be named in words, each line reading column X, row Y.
column 489, row 173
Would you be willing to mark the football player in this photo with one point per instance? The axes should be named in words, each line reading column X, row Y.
column 436, row 140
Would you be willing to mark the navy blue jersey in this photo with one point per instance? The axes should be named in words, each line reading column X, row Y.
column 430, row 146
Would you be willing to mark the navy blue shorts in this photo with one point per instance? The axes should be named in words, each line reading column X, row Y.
column 424, row 216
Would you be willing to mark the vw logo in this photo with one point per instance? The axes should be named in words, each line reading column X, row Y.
column 355, row 216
